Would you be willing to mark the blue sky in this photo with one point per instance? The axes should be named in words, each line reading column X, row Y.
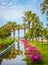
column 12, row 10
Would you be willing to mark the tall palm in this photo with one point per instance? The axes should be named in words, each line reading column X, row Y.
column 35, row 22
column 33, row 19
column 44, row 7
column 24, row 27
column 42, row 32
column 27, row 18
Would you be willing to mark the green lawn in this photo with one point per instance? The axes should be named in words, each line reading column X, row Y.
column 43, row 50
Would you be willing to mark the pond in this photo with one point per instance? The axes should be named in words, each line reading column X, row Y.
column 14, row 56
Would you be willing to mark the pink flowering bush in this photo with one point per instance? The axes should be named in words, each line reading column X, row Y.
column 32, row 52
column 25, row 42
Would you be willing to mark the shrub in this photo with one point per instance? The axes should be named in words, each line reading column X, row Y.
column 32, row 53
column 4, row 43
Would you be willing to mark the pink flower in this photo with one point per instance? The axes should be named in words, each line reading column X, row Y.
column 36, row 57
column 23, row 40
column 31, row 48
column 32, row 52
column 30, row 56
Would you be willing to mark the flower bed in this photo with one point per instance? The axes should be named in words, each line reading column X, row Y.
column 32, row 52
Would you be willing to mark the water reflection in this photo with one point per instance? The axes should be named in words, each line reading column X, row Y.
column 14, row 56
column 0, row 61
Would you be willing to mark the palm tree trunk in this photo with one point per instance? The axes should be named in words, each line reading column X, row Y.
column 32, row 39
column 18, row 47
column 47, row 41
column 32, row 24
column 11, row 33
column 18, row 33
column 24, row 31
column 14, row 34
column 36, row 41
column 29, row 29
column 28, row 25
column 42, row 41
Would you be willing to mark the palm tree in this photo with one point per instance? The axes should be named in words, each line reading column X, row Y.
column 42, row 32
column 27, row 18
column 46, row 33
column 35, row 22
column 24, row 27
column 47, row 26
column 44, row 8
column 33, row 19
column 12, row 27
column 4, row 32
column 18, row 28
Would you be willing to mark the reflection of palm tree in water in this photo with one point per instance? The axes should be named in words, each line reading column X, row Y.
column 12, row 53
column 0, row 61
column 19, row 51
column 18, row 47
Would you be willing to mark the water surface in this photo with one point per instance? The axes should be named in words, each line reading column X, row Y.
column 14, row 56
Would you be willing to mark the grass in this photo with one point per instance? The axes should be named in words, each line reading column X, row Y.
column 44, row 50
column 4, row 43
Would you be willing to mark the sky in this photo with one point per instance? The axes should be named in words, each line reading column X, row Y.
column 13, row 10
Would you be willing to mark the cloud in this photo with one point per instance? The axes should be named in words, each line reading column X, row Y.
column 13, row 2
column 15, row 8
column 10, row 14
column 8, row 2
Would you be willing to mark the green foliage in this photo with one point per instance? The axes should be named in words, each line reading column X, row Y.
column 27, row 60
column 45, row 33
column 44, row 5
column 34, row 32
column 4, row 33
column 27, row 35
column 8, row 41
column 27, row 16
column 44, row 8
column 4, row 43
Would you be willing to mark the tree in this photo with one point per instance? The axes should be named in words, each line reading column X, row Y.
column 45, row 34
column 33, row 19
column 47, row 26
column 27, row 18
column 44, row 8
column 4, row 32
column 12, row 26
column 42, row 32
column 18, row 28
column 24, row 27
